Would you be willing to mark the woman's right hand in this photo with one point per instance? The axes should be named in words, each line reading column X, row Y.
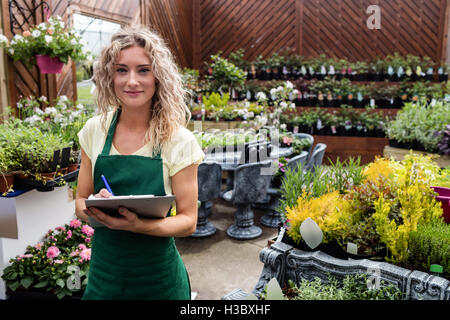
column 103, row 193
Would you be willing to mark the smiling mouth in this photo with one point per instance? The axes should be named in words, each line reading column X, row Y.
column 133, row 92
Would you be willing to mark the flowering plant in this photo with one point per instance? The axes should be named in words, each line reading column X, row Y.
column 48, row 38
column 49, row 265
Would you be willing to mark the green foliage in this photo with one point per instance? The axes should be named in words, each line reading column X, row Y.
column 419, row 121
column 225, row 75
column 216, row 100
column 430, row 244
column 354, row 287
column 48, row 38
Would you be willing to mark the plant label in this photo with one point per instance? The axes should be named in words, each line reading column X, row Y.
column 352, row 248
column 281, row 234
column 311, row 233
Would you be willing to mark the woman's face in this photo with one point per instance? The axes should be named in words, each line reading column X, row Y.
column 134, row 81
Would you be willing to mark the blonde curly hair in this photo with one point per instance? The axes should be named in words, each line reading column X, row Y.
column 169, row 109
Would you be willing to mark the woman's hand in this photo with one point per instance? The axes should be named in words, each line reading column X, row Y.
column 128, row 222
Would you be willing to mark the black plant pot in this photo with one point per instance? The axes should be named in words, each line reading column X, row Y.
column 419, row 146
column 393, row 143
column 406, row 145
column 379, row 133
column 443, row 77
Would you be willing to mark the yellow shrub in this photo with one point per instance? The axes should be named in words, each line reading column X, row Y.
column 327, row 211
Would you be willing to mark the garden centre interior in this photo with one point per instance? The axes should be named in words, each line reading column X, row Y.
column 325, row 127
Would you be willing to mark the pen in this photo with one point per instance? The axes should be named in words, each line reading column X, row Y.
column 107, row 185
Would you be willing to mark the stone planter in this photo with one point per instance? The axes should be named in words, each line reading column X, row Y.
column 283, row 262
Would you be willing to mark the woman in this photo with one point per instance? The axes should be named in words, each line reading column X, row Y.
column 142, row 147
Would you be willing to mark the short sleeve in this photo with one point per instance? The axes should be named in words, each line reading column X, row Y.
column 85, row 136
column 183, row 151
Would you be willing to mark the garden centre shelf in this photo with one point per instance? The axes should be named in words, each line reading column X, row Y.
column 43, row 186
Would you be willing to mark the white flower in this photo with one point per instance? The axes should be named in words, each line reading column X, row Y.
column 80, row 106
column 43, row 98
column 51, row 110
column 63, row 99
column 261, row 96
column 289, row 85
column 11, row 51
column 36, row 33
column 17, row 38
column 283, row 104
column 33, row 119
column 283, row 126
column 74, row 42
column 279, row 89
column 42, row 26
column 3, row 39
column 48, row 39
column 38, row 111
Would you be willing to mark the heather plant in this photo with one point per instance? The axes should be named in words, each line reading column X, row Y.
column 430, row 244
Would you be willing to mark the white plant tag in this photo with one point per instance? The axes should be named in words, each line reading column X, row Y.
column 281, row 234
column 311, row 233
column 274, row 291
column 372, row 102
column 296, row 129
column 352, row 248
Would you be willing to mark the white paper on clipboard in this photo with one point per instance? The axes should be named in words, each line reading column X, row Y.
column 145, row 206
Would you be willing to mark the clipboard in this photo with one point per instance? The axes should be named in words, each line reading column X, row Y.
column 145, row 206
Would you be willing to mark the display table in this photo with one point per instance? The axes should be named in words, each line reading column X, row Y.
column 26, row 218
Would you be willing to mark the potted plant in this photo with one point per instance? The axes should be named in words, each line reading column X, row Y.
column 443, row 72
column 8, row 166
column 48, row 44
column 46, row 269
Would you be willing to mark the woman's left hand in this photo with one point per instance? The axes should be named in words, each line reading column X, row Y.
column 128, row 222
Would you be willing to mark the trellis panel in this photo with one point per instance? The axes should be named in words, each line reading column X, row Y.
column 311, row 27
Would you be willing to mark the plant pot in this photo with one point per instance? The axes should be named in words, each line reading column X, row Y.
column 443, row 77
column 72, row 167
column 444, row 198
column 6, row 181
column 48, row 64
column 393, row 143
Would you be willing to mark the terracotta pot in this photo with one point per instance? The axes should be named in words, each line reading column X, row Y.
column 46, row 176
column 6, row 181
column 72, row 167
column 48, row 64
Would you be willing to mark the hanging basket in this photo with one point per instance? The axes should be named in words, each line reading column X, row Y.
column 48, row 64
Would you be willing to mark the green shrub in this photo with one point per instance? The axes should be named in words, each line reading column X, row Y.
column 430, row 244
column 354, row 287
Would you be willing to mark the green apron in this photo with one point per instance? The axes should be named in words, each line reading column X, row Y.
column 127, row 265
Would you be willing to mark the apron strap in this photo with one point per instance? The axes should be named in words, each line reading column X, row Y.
column 110, row 135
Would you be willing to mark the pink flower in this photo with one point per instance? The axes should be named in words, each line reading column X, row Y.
column 82, row 246
column 85, row 255
column 74, row 253
column 75, row 223
column 58, row 261
column 60, row 228
column 69, row 235
column 38, row 246
column 287, row 140
column 87, row 239
column 52, row 252
column 87, row 230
